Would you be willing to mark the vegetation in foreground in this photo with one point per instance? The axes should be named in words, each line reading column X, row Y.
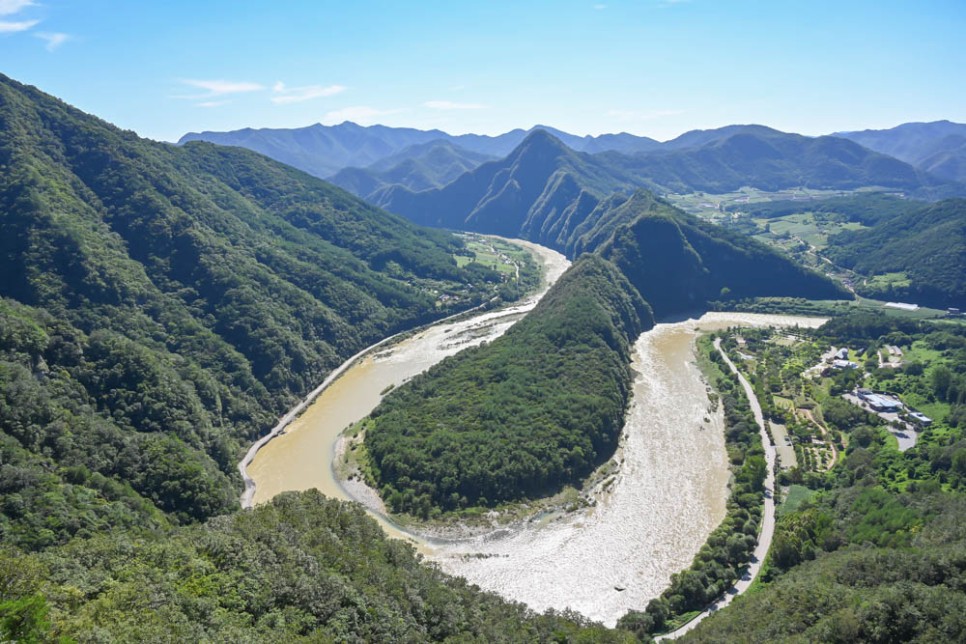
column 302, row 568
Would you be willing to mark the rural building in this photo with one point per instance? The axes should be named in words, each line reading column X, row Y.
column 879, row 402
column 920, row 418
column 902, row 306
column 844, row 364
column 842, row 354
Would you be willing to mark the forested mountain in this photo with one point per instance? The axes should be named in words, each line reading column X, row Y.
column 534, row 410
column 927, row 243
column 680, row 263
column 938, row 147
column 418, row 167
column 160, row 306
column 543, row 405
column 727, row 159
column 541, row 192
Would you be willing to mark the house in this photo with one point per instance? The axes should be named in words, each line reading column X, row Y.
column 844, row 364
column 920, row 418
column 842, row 354
column 882, row 403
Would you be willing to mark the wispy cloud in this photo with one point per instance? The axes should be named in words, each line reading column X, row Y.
column 14, row 27
column 212, row 103
column 641, row 115
column 54, row 40
column 10, row 7
column 361, row 114
column 663, row 4
column 600, row 7
column 285, row 95
column 215, row 88
column 451, row 105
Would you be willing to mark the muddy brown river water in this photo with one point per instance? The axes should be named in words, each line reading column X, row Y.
column 669, row 492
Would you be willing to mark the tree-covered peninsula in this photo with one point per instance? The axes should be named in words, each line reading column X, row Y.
column 536, row 409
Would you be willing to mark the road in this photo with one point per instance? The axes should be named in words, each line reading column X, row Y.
column 767, row 531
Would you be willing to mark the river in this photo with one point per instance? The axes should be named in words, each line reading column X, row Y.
column 670, row 490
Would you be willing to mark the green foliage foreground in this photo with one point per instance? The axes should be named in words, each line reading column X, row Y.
column 302, row 568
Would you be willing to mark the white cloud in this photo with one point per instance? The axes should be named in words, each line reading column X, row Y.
column 54, row 40
column 285, row 95
column 450, row 105
column 361, row 114
column 10, row 7
column 220, row 87
column 14, row 27
column 212, row 103
column 216, row 88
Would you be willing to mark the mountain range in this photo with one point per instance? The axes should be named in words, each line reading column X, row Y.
column 716, row 160
column 546, row 192
column 938, row 147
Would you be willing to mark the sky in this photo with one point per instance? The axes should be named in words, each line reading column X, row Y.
column 655, row 68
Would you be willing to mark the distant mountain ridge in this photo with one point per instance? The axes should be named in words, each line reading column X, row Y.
column 419, row 167
column 938, row 147
column 323, row 150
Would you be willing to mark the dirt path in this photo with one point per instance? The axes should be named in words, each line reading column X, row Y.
column 807, row 413
column 768, row 516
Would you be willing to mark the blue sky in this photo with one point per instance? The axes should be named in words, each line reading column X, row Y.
column 651, row 67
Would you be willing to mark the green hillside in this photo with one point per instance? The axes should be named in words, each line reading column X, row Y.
column 534, row 410
column 418, row 167
column 540, row 192
column 927, row 244
column 160, row 307
column 680, row 263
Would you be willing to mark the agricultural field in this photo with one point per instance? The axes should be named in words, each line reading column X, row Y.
column 493, row 253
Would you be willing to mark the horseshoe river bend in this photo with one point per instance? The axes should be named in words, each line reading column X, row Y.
column 667, row 494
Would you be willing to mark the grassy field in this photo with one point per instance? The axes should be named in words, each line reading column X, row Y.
column 712, row 206
column 493, row 253
column 797, row 494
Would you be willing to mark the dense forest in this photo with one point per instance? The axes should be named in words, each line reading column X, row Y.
column 680, row 263
column 927, row 243
column 302, row 568
column 521, row 417
column 161, row 306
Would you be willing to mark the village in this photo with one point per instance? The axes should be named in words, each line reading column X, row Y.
column 814, row 395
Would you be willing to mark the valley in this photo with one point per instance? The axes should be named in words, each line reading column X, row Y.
column 385, row 381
